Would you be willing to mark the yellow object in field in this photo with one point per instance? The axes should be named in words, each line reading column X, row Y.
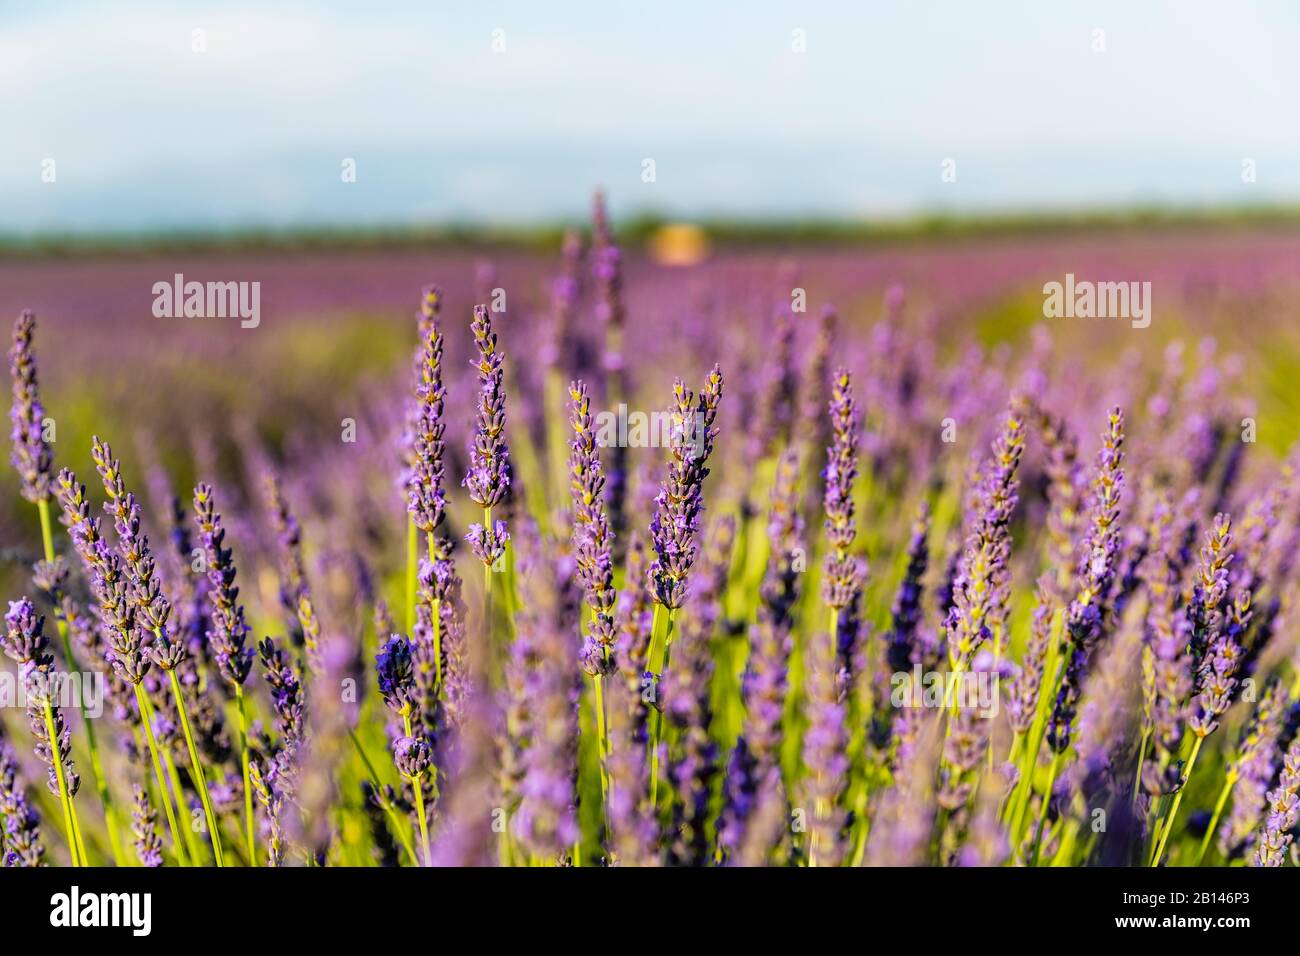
column 679, row 244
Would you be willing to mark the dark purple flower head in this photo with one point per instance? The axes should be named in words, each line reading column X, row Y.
column 1277, row 833
column 25, row 642
column 31, row 455
column 489, row 456
column 286, row 692
column 412, row 756
column 395, row 670
column 489, row 546
column 674, row 529
column 108, row 580
column 24, row 639
column 1094, row 575
column 592, row 539
column 844, row 572
column 1216, row 632
column 143, row 581
column 906, row 611
column 144, row 828
column 982, row 583
column 425, row 496
column 22, row 831
column 229, row 629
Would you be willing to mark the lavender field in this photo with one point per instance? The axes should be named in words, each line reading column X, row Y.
column 816, row 555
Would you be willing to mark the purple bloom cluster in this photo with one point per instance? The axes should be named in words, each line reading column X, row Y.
column 21, row 843
column 592, row 539
column 31, row 455
column 425, row 497
column 126, row 651
column 674, row 528
column 1094, row 577
column 229, row 630
column 144, row 829
column 844, row 572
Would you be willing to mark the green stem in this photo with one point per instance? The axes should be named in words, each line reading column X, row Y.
column 1142, row 756
column 419, row 800
column 1178, row 799
column 249, row 840
column 56, row 758
column 412, row 551
column 655, row 657
column 399, row 828
column 1042, row 810
column 101, row 784
column 1229, row 782
column 191, row 842
column 196, row 765
column 164, row 793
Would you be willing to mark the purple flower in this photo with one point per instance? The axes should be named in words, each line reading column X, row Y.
column 825, row 755
column 25, row 642
column 143, row 582
column 1214, row 632
column 844, row 573
column 229, row 630
column 286, row 693
column 22, row 832
column 680, row 502
column 906, row 612
column 411, row 756
column 31, row 455
column 1094, row 575
column 394, row 669
column 489, row 456
column 980, row 588
column 144, row 828
column 592, row 539
column 1276, row 835
column 488, row 546
column 425, row 497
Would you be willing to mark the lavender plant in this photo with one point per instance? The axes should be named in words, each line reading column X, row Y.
column 653, row 683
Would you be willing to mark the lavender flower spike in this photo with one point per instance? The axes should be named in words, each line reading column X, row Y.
column 425, row 496
column 674, row 529
column 22, row 831
column 144, row 829
column 31, row 455
column 592, row 537
column 1275, row 836
column 488, row 479
column 844, row 572
column 1094, row 576
column 229, row 630
column 26, row 644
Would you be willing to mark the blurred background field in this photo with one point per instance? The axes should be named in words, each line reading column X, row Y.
column 337, row 328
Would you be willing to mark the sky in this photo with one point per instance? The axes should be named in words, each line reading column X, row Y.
column 512, row 113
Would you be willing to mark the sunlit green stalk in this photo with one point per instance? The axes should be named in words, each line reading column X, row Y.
column 657, row 659
column 399, row 827
column 412, row 561
column 196, row 765
column 1042, row 810
column 418, row 790
column 164, row 793
column 57, row 760
column 248, row 787
column 1178, row 799
column 1229, row 782
column 96, row 766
